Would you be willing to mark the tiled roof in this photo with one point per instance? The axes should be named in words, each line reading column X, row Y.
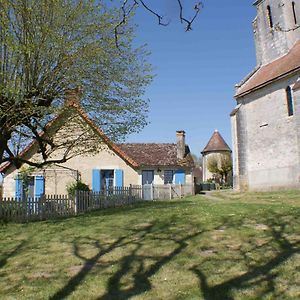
column 134, row 154
column 152, row 154
column 275, row 70
column 216, row 143
column 110, row 144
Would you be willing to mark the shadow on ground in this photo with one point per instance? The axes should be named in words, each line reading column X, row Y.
column 134, row 264
column 257, row 274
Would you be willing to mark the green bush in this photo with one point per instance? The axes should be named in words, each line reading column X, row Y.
column 77, row 186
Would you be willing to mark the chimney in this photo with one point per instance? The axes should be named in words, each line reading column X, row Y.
column 180, row 141
column 72, row 96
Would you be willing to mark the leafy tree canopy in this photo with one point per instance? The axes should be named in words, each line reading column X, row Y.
column 48, row 47
column 220, row 165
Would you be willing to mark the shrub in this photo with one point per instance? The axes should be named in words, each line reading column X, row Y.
column 77, row 186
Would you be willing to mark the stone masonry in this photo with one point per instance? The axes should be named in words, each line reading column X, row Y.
column 266, row 139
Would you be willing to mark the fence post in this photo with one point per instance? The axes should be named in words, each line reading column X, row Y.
column 75, row 202
column 152, row 191
column 170, row 191
column 180, row 189
column 130, row 193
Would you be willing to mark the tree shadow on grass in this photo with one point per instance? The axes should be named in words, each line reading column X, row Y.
column 142, row 274
column 135, row 240
column 257, row 273
column 5, row 256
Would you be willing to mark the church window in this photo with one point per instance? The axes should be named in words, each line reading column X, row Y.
column 270, row 16
column 294, row 12
column 289, row 98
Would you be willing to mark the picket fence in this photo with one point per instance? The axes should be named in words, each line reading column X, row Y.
column 53, row 206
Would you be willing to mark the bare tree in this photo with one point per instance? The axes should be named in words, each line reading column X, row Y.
column 129, row 5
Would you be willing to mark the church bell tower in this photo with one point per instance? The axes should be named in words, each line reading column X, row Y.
column 276, row 28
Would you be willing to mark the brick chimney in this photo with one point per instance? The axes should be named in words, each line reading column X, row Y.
column 180, row 141
column 72, row 96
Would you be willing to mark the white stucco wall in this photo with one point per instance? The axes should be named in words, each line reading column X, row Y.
column 58, row 177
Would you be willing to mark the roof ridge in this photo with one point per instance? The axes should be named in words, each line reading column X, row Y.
column 145, row 143
column 272, row 71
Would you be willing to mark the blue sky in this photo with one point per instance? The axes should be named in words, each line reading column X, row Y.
column 196, row 71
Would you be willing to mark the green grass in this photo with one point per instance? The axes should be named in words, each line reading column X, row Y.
column 238, row 246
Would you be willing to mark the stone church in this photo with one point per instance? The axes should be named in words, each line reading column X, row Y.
column 266, row 121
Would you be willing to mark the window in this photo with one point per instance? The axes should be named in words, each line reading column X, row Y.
column 294, row 12
column 147, row 177
column 168, row 176
column 270, row 16
column 289, row 98
column 29, row 186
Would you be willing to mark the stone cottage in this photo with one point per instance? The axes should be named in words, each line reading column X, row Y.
column 215, row 148
column 266, row 120
column 108, row 165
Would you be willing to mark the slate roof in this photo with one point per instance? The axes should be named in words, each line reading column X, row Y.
column 153, row 154
column 216, row 143
column 275, row 70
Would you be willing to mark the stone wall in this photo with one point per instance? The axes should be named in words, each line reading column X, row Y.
column 266, row 139
column 273, row 42
column 205, row 160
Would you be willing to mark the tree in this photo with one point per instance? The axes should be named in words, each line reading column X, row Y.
column 49, row 47
column 129, row 5
column 220, row 165
column 197, row 160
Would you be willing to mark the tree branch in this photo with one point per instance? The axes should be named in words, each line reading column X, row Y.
column 126, row 12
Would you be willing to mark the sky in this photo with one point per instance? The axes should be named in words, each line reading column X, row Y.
column 195, row 72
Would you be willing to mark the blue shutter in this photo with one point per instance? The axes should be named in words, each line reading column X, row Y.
column 96, row 180
column 119, row 178
column 39, row 186
column 180, row 177
column 19, row 188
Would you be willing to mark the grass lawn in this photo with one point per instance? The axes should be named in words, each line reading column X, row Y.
column 229, row 246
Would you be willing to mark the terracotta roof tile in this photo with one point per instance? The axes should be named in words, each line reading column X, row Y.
column 80, row 111
column 152, row 154
column 270, row 72
column 134, row 154
column 216, row 143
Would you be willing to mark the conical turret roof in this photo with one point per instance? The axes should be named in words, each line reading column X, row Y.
column 216, row 143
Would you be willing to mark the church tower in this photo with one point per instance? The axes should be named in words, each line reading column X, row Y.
column 276, row 28
column 266, row 120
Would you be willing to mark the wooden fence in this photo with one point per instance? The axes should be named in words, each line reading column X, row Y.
column 167, row 191
column 46, row 207
column 53, row 206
